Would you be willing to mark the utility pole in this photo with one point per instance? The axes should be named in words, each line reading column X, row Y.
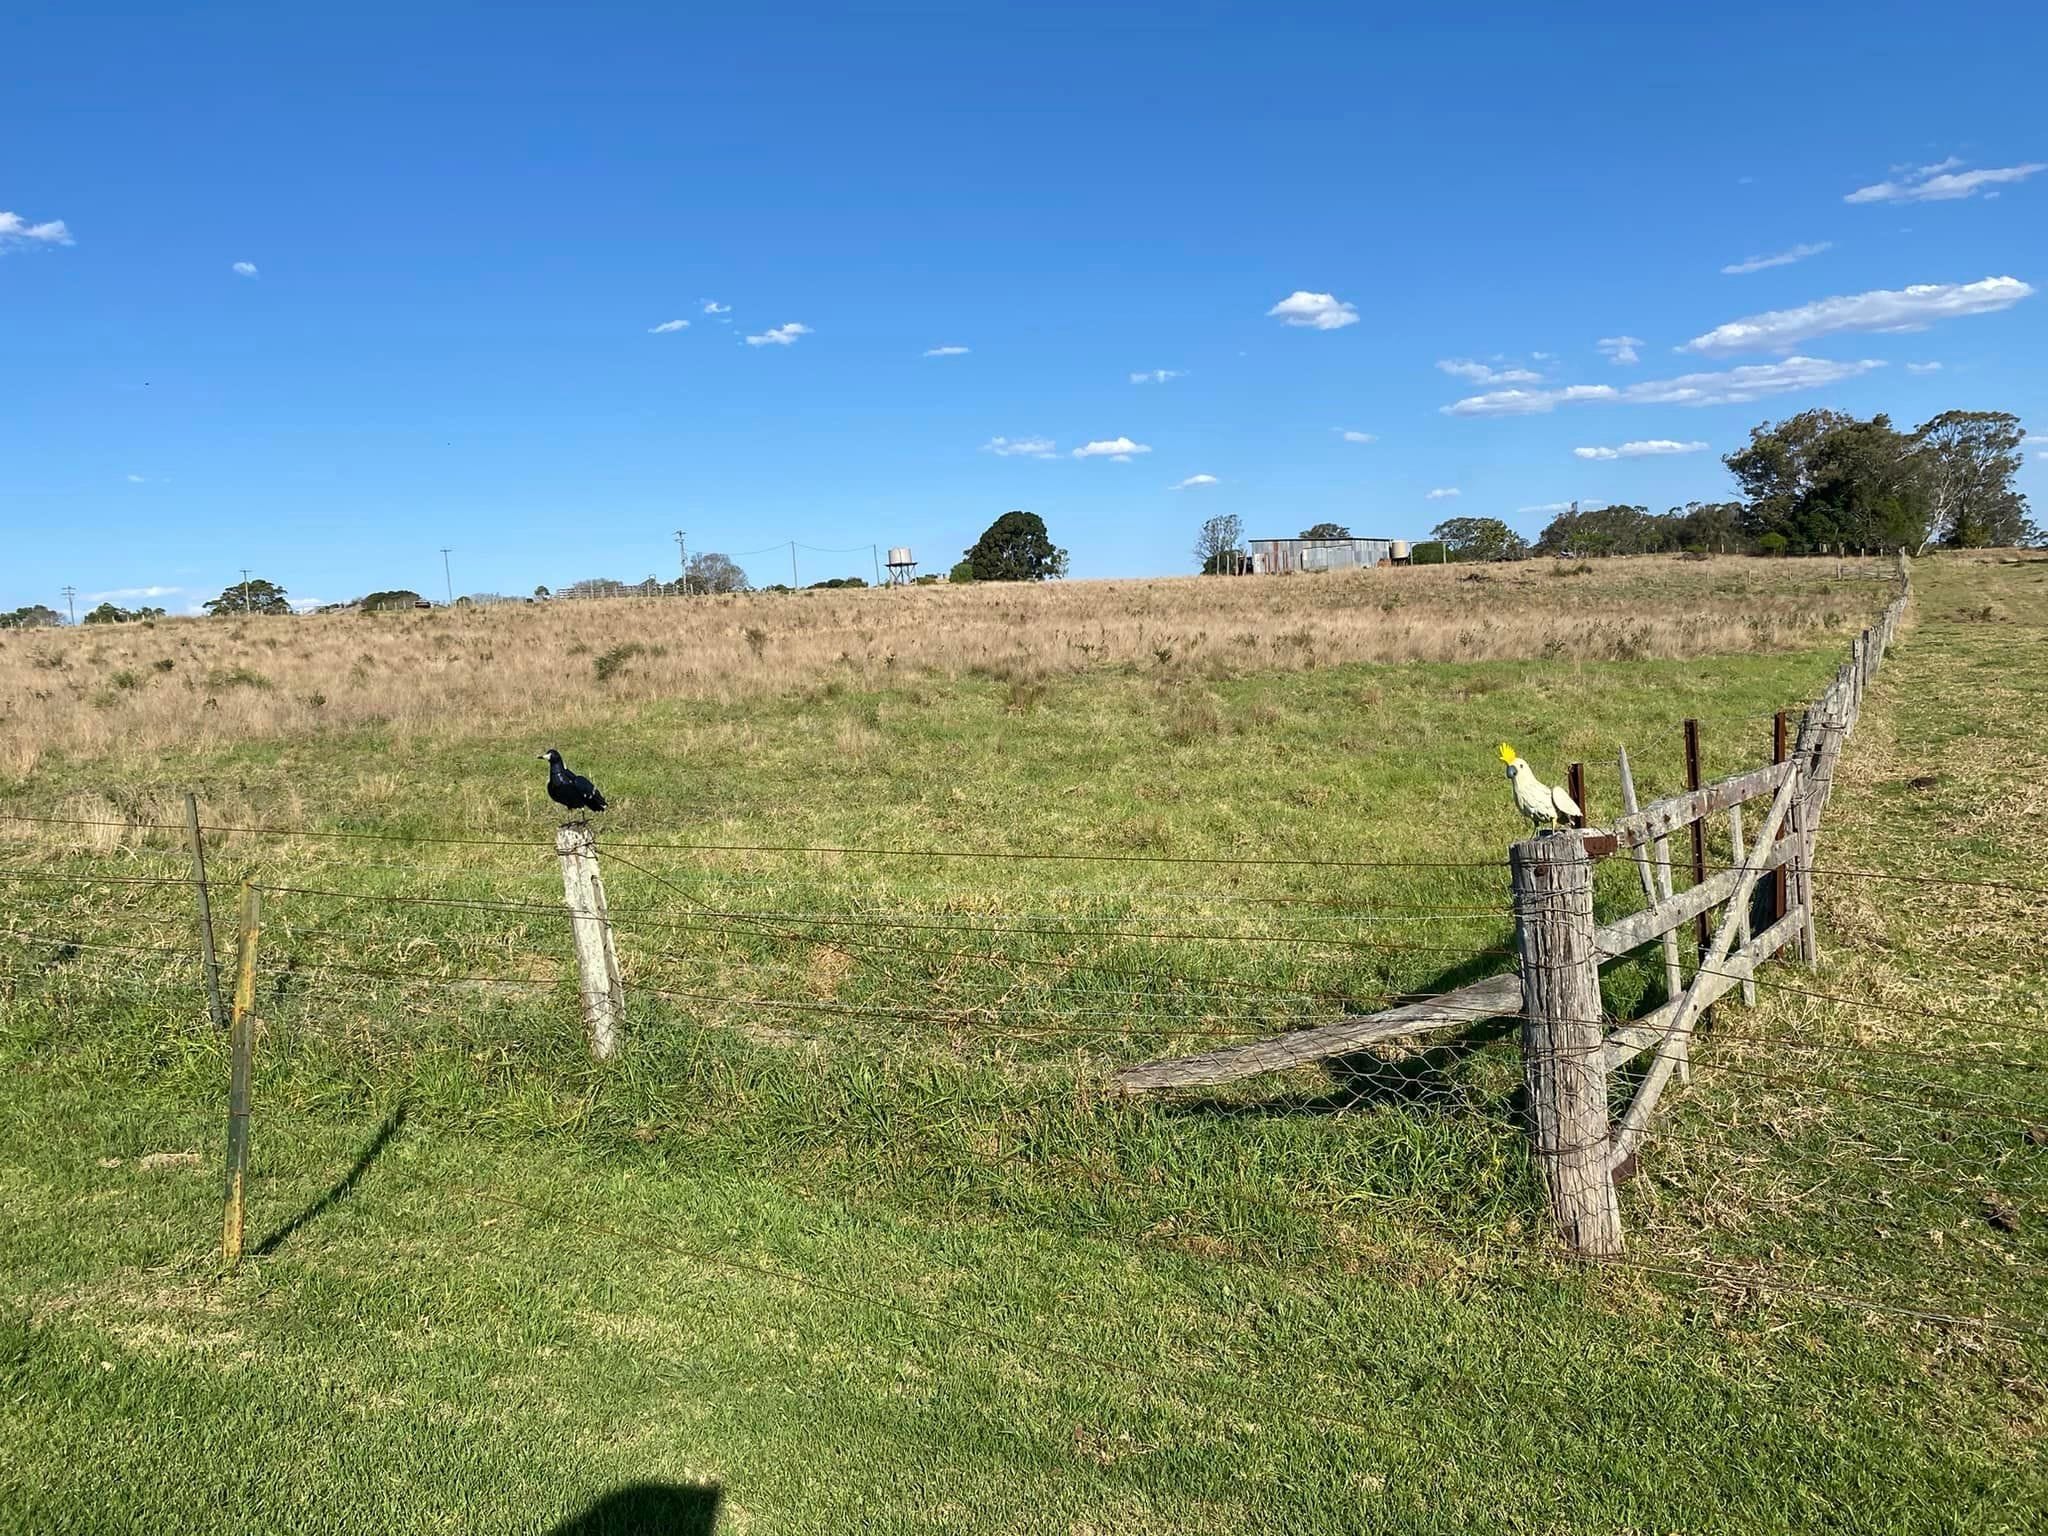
column 448, row 579
column 683, row 562
column 876, row 551
column 245, row 589
column 71, row 602
column 792, row 562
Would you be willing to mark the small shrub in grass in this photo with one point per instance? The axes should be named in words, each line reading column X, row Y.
column 1191, row 718
column 220, row 679
column 611, row 663
column 126, row 681
column 164, row 664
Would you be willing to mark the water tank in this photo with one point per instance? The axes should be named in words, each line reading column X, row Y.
column 900, row 555
column 1397, row 551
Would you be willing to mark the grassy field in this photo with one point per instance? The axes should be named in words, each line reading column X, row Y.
column 851, row 1236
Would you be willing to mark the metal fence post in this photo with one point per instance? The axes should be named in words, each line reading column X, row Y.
column 242, row 1050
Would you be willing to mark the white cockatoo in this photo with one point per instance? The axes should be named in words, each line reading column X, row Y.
column 1543, row 805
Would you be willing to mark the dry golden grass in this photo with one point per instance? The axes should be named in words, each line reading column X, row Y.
column 126, row 693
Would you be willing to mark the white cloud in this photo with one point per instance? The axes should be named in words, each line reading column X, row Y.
column 1320, row 311
column 945, row 351
column 780, row 335
column 1648, row 448
column 1116, row 449
column 1782, row 259
column 1882, row 309
column 1529, row 402
column 1546, row 507
column 1027, row 447
column 1480, row 373
column 1734, row 386
column 713, row 307
column 1193, row 481
column 1350, row 436
column 1544, row 357
column 137, row 480
column 15, row 230
column 668, row 325
column 130, row 594
column 1157, row 376
column 1940, row 183
column 1923, row 367
column 1443, row 493
column 1619, row 349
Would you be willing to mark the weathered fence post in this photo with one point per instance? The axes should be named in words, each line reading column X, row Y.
column 599, row 982
column 242, row 1050
column 1564, row 1065
column 1656, row 880
column 1781, row 748
column 209, row 962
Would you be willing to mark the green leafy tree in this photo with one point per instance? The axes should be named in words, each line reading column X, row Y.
column 1479, row 538
column 107, row 613
column 398, row 598
column 252, row 596
column 1326, row 531
column 34, row 616
column 1220, row 544
column 1967, row 461
column 1825, row 479
column 1016, row 547
column 1429, row 552
column 541, row 592
column 961, row 574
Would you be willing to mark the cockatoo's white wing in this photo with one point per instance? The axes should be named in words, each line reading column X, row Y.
column 1566, row 805
column 1532, row 799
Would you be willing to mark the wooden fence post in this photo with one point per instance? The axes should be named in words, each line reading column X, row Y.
column 1564, row 1063
column 599, row 982
column 242, row 1049
column 1781, row 747
column 1656, row 878
column 209, row 962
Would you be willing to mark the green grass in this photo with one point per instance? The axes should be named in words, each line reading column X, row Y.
column 894, row 1261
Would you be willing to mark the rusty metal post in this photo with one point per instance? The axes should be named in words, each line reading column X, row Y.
column 1575, row 786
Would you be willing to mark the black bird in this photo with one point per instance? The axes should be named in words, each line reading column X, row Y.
column 571, row 791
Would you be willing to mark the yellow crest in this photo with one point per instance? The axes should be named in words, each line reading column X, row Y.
column 1507, row 753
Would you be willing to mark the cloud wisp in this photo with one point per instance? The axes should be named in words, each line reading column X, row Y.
column 1021, row 447
column 1443, row 493
column 1316, row 311
column 1350, row 436
column 666, row 326
column 1781, row 259
column 780, row 335
column 1733, row 386
column 1882, row 309
column 713, row 307
column 1118, row 450
column 1158, row 376
column 1195, row 481
column 15, row 230
column 1620, row 350
column 945, row 351
column 1648, row 448
column 1943, row 183
column 244, row 269
column 1484, row 373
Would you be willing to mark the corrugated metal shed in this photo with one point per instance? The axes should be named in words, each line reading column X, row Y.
column 1274, row 556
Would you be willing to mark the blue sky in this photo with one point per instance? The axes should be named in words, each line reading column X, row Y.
column 464, row 226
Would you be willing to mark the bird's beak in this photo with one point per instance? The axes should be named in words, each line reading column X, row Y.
column 540, row 757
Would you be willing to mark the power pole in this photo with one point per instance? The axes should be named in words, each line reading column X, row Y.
column 876, row 551
column 792, row 562
column 245, row 589
column 683, row 562
column 71, row 602
column 447, row 578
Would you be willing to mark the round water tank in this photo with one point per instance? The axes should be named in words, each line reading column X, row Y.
column 900, row 556
column 1398, row 548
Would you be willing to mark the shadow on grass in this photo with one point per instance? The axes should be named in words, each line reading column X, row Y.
column 646, row 1509
column 393, row 1123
